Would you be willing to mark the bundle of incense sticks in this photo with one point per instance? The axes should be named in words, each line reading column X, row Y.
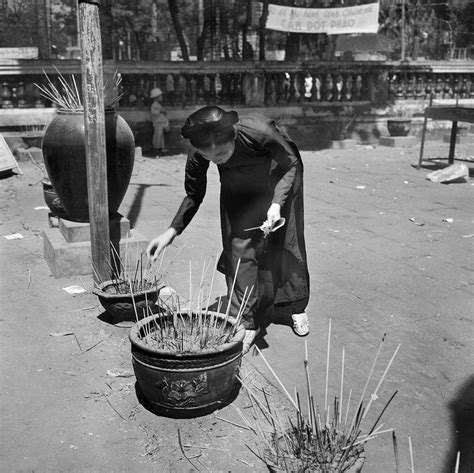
column 323, row 439
column 175, row 328
column 127, row 277
column 66, row 95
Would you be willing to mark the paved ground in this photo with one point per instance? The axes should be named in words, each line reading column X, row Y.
column 389, row 252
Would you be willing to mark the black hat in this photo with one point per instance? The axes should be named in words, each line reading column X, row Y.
column 208, row 125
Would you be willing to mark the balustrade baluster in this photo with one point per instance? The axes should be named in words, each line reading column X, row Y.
column 212, row 89
column 358, row 87
column 132, row 91
column 170, row 90
column 286, row 87
column 419, row 88
column 400, row 92
column 456, row 87
column 348, row 88
column 470, row 89
column 218, row 88
column 410, row 89
column 462, row 87
column 297, row 87
column 391, row 92
column 439, row 87
column 225, row 94
column 200, row 89
column 193, row 89
column 429, row 87
column 6, row 96
column 447, row 91
column 141, row 93
column 308, row 87
column 237, row 89
column 339, row 86
column 181, row 89
column 329, row 85
column 21, row 95
column 270, row 89
column 38, row 98
column 206, row 85
column 317, row 88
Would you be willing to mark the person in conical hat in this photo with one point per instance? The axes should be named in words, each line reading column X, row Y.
column 159, row 119
column 261, row 175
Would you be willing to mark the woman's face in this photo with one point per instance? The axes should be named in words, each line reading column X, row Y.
column 220, row 153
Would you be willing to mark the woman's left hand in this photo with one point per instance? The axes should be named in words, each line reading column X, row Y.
column 273, row 214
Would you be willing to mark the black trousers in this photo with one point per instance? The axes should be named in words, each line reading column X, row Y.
column 256, row 273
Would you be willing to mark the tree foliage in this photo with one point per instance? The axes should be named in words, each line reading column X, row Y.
column 224, row 29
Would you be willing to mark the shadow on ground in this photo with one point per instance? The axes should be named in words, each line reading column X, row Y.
column 462, row 418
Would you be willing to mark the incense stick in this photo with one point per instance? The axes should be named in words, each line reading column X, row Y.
column 411, row 455
column 327, row 371
column 276, row 377
column 369, row 377
column 374, row 395
column 232, row 290
column 342, row 386
column 458, row 458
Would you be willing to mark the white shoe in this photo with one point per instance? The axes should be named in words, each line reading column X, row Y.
column 300, row 324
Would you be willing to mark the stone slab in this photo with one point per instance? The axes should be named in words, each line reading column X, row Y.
column 75, row 232
column 33, row 153
column 73, row 258
column 399, row 141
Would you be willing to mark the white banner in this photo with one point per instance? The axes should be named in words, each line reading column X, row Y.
column 345, row 20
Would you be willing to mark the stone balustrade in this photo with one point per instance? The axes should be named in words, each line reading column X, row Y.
column 251, row 84
column 324, row 100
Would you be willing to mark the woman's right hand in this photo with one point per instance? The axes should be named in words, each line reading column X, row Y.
column 158, row 244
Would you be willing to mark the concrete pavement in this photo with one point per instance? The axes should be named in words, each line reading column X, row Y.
column 384, row 257
column 389, row 253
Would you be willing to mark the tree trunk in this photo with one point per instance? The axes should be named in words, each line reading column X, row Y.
column 206, row 28
column 44, row 34
column 292, row 46
column 107, row 31
column 245, row 27
column 173, row 7
column 263, row 21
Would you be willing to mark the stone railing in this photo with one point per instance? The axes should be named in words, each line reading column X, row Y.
column 321, row 100
column 251, row 84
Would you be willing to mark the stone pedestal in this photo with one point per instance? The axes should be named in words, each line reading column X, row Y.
column 399, row 141
column 67, row 248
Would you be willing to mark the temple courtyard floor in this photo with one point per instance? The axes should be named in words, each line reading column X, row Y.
column 390, row 255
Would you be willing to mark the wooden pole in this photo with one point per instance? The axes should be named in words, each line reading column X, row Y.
column 94, row 122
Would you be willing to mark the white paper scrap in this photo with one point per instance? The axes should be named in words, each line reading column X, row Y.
column 41, row 207
column 74, row 289
column 14, row 236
